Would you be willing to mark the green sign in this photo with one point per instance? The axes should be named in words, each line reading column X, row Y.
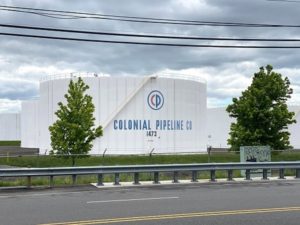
column 255, row 154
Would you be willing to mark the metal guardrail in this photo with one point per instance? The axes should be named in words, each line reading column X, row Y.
column 155, row 169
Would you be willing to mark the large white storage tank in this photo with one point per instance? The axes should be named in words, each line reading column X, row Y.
column 139, row 114
column 295, row 128
column 30, row 124
column 218, row 127
column 10, row 127
column 219, row 121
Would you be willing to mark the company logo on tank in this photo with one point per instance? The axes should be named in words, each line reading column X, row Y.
column 155, row 101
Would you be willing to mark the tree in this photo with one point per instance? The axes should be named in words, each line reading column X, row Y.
column 73, row 132
column 261, row 112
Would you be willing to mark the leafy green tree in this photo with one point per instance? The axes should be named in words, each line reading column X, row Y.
column 261, row 112
column 73, row 132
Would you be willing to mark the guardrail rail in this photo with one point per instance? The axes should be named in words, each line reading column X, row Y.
column 100, row 171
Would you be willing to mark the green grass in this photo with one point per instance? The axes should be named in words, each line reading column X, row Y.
column 286, row 156
column 51, row 161
column 10, row 143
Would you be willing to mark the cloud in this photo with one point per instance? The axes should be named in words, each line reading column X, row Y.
column 9, row 106
column 17, row 89
column 25, row 61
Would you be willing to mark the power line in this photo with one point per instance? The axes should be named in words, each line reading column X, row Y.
column 148, row 35
column 129, row 19
column 107, row 15
column 50, row 15
column 284, row 1
column 136, row 19
column 150, row 43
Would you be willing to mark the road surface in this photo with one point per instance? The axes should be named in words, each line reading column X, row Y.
column 263, row 203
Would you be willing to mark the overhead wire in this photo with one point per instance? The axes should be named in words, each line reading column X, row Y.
column 51, row 29
column 60, row 14
column 127, row 19
column 50, row 15
column 136, row 19
column 148, row 43
column 284, row 1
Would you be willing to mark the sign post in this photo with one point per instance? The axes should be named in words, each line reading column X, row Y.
column 255, row 154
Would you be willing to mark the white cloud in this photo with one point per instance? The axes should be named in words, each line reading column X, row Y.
column 17, row 88
column 10, row 106
column 216, row 102
column 37, row 72
column 24, row 61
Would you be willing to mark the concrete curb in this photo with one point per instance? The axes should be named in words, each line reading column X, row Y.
column 108, row 185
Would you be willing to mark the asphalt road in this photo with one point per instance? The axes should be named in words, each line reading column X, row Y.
column 269, row 203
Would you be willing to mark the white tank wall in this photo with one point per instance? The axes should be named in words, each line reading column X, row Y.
column 30, row 124
column 294, row 129
column 10, row 127
column 183, row 100
column 218, row 127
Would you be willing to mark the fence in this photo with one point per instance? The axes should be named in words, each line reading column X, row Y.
column 155, row 169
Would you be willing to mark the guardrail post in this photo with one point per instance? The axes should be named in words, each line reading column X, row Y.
column 297, row 173
column 99, row 179
column 74, row 178
column 265, row 174
column 194, row 176
column 248, row 174
column 281, row 173
column 136, row 178
column 28, row 181
column 51, row 181
column 212, row 175
column 175, row 177
column 156, row 178
column 7, row 157
column 230, row 175
column 117, row 179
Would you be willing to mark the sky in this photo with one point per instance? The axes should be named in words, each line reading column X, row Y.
column 24, row 61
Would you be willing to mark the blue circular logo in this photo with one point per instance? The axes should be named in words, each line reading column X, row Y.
column 155, row 100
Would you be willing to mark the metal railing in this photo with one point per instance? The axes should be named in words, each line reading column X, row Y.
column 100, row 171
column 71, row 75
column 90, row 74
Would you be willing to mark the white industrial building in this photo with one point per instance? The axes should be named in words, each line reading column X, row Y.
column 218, row 127
column 294, row 129
column 10, row 126
column 30, row 130
column 164, row 114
